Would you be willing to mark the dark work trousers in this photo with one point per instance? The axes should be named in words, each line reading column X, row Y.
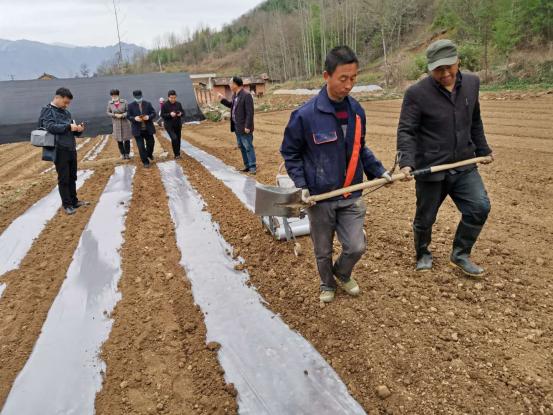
column 66, row 167
column 467, row 191
column 145, row 143
column 175, row 133
column 345, row 218
column 124, row 147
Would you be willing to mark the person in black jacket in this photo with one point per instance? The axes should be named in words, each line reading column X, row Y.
column 440, row 123
column 141, row 114
column 241, row 122
column 172, row 113
column 57, row 120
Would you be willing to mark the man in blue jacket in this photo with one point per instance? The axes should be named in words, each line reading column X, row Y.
column 57, row 120
column 141, row 114
column 324, row 150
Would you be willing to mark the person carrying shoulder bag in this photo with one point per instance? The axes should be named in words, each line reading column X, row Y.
column 57, row 120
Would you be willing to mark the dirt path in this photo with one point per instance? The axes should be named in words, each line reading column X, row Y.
column 157, row 359
column 440, row 342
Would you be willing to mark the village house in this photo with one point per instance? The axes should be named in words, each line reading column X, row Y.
column 207, row 87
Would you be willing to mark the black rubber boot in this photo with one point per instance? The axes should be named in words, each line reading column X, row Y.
column 465, row 238
column 422, row 241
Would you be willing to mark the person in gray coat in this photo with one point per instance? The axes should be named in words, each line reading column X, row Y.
column 440, row 123
column 117, row 110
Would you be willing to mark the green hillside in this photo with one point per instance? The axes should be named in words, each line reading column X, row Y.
column 507, row 40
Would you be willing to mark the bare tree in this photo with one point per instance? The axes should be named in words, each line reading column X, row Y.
column 84, row 70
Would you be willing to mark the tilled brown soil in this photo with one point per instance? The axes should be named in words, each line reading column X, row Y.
column 32, row 288
column 21, row 184
column 156, row 355
column 440, row 342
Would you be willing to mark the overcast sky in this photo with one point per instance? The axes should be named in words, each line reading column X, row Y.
column 92, row 23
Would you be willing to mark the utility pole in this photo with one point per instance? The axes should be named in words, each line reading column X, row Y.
column 118, row 35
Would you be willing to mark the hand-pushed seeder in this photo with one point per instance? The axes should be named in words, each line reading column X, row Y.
column 279, row 205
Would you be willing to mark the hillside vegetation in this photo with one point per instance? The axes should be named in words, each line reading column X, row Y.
column 507, row 40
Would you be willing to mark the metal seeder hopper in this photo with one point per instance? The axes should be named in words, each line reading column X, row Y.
column 282, row 221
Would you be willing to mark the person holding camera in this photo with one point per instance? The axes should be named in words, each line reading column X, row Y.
column 172, row 113
column 141, row 114
column 57, row 120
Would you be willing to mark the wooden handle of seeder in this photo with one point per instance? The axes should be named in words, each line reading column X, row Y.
column 396, row 177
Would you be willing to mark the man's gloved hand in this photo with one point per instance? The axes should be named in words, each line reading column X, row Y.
column 305, row 195
column 386, row 175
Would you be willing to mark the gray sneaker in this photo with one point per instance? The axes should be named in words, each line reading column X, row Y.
column 327, row 296
column 351, row 287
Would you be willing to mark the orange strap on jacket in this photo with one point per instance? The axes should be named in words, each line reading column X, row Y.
column 354, row 160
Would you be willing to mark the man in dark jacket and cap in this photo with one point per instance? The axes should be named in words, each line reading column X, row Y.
column 57, row 120
column 440, row 123
column 324, row 149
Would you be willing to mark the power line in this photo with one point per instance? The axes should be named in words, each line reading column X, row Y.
column 118, row 34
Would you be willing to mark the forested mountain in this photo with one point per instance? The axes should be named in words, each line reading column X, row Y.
column 288, row 39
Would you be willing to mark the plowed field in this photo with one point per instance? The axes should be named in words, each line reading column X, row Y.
column 441, row 343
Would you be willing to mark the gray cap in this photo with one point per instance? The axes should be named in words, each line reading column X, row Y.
column 441, row 52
